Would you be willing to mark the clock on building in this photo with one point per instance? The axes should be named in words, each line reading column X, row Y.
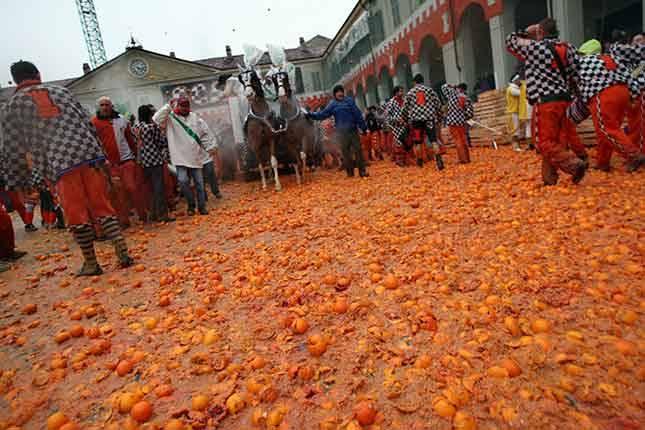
column 138, row 67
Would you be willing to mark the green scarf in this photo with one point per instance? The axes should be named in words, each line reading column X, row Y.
column 187, row 129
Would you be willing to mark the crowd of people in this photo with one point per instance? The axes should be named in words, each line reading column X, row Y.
column 91, row 174
column 407, row 127
column 564, row 86
column 557, row 87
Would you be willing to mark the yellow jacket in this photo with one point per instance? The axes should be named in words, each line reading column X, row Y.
column 513, row 95
column 523, row 109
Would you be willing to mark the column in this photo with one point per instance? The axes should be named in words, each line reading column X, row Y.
column 383, row 91
column 502, row 60
column 369, row 97
column 416, row 69
column 467, row 55
column 570, row 17
column 450, row 63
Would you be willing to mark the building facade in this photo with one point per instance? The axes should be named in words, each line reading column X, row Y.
column 385, row 43
column 382, row 43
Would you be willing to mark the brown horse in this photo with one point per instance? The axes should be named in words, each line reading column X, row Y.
column 258, row 127
column 298, row 134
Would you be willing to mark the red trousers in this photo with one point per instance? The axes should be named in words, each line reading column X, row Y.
column 458, row 134
column 170, row 185
column 389, row 142
column 569, row 134
column 129, row 192
column 635, row 122
column 608, row 110
column 366, row 146
column 83, row 193
column 7, row 240
column 19, row 206
column 375, row 137
column 400, row 155
column 554, row 137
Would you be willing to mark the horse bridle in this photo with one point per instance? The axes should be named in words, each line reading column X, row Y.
column 248, row 77
column 281, row 81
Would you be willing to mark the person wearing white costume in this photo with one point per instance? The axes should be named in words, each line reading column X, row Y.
column 189, row 143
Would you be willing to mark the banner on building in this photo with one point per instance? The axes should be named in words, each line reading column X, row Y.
column 356, row 33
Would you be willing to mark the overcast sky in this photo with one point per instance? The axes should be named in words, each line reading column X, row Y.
column 48, row 32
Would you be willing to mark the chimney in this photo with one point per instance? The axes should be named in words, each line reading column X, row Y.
column 229, row 53
column 172, row 54
column 302, row 41
column 86, row 68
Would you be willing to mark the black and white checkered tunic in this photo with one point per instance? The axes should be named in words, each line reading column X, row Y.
column 544, row 79
column 428, row 112
column 37, row 182
column 595, row 74
column 153, row 148
column 48, row 122
column 460, row 108
column 633, row 58
column 394, row 120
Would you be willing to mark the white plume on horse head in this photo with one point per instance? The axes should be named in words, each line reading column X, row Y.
column 280, row 62
column 252, row 56
column 233, row 87
column 278, row 55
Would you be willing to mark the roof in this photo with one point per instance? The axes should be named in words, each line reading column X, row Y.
column 140, row 49
column 313, row 48
column 7, row 92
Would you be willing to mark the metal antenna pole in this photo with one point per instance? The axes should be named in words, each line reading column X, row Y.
column 91, row 32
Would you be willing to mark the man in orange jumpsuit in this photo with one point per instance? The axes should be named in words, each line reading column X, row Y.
column 603, row 88
column 47, row 122
column 549, row 65
column 115, row 134
column 460, row 110
column 631, row 57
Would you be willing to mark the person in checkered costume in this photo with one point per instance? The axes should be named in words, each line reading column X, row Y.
column 397, row 126
column 422, row 112
column 631, row 56
column 548, row 82
column 47, row 122
column 460, row 110
column 603, row 87
column 152, row 156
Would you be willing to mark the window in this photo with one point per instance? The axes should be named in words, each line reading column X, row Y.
column 300, row 86
column 377, row 31
column 396, row 15
column 315, row 78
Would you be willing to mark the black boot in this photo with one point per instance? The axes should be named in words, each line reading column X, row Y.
column 439, row 160
column 580, row 171
column 350, row 172
column 634, row 164
column 420, row 162
column 60, row 218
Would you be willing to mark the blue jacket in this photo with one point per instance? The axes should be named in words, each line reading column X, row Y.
column 346, row 115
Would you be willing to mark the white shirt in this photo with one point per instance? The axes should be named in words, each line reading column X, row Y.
column 184, row 150
column 119, row 125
